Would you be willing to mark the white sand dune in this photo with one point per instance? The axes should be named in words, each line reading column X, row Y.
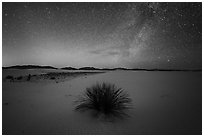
column 162, row 103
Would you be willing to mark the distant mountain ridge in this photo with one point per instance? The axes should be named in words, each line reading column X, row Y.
column 29, row 67
column 92, row 68
column 69, row 68
column 89, row 68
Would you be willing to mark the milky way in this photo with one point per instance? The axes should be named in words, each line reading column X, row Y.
column 134, row 35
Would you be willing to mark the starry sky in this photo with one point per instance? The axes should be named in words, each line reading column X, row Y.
column 132, row 35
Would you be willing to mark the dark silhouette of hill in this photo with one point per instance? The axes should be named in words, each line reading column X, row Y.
column 121, row 69
column 88, row 68
column 69, row 68
column 93, row 68
column 29, row 67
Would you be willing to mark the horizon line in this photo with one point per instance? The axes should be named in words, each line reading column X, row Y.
column 101, row 68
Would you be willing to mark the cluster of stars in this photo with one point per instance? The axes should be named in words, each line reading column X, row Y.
column 156, row 31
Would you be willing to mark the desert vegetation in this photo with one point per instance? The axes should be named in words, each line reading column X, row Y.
column 52, row 78
column 29, row 77
column 19, row 78
column 105, row 99
column 61, row 76
column 9, row 77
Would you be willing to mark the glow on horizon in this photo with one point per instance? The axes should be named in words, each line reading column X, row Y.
column 132, row 35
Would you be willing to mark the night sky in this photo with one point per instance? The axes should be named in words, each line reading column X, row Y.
column 132, row 35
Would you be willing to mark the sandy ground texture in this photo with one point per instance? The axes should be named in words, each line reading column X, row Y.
column 162, row 103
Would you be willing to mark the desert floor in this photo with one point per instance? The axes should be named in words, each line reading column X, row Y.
column 162, row 103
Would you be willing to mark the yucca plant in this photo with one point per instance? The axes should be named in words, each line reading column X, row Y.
column 105, row 99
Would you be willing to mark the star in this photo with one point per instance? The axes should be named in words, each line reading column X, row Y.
column 131, row 33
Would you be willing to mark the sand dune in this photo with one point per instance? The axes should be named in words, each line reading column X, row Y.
column 162, row 103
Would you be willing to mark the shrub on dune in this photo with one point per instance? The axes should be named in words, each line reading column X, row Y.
column 29, row 77
column 9, row 77
column 52, row 78
column 19, row 78
column 105, row 99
